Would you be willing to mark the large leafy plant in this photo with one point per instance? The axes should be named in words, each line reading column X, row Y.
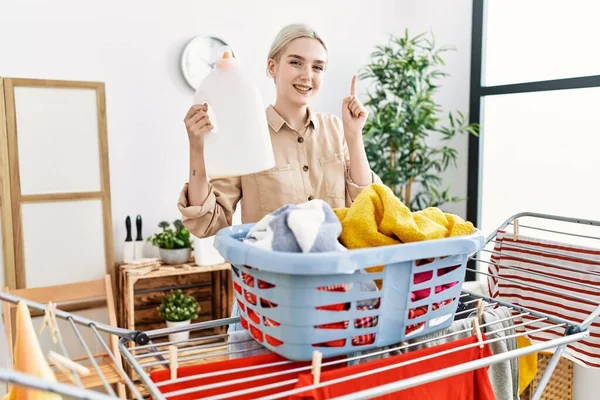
column 406, row 142
column 177, row 306
column 178, row 238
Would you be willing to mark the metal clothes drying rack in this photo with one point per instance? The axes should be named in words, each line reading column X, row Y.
column 143, row 354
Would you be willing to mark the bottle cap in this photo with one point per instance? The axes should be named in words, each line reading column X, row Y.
column 225, row 58
column 224, row 52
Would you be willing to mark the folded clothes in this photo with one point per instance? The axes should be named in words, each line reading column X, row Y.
column 307, row 227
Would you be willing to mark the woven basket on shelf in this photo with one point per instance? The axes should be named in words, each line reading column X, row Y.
column 560, row 386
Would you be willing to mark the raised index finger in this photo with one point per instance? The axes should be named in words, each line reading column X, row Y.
column 353, row 86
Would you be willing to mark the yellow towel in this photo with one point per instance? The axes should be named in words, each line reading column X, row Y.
column 528, row 365
column 377, row 217
column 29, row 359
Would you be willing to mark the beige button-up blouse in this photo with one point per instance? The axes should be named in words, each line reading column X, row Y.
column 312, row 163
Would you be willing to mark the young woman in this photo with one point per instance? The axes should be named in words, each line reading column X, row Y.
column 316, row 155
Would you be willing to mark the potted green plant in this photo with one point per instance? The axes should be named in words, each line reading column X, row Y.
column 406, row 137
column 174, row 245
column 178, row 309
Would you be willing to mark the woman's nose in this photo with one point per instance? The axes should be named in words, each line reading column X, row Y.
column 306, row 74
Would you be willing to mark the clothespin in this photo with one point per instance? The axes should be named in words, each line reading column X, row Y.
column 316, row 366
column 480, row 311
column 477, row 332
column 515, row 229
column 173, row 364
column 50, row 320
column 477, row 321
column 67, row 366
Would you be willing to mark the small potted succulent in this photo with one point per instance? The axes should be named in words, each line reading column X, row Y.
column 178, row 309
column 174, row 245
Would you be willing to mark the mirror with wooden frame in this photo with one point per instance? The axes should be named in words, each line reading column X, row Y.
column 55, row 207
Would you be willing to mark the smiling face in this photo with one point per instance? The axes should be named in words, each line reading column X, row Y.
column 298, row 73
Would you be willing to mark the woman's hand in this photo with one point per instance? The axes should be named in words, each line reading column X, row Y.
column 197, row 124
column 354, row 115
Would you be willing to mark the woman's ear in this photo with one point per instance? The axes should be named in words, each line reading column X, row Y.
column 272, row 68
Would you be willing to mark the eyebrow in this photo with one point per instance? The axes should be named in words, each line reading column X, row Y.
column 303, row 59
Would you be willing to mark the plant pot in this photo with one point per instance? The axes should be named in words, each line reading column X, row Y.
column 180, row 336
column 205, row 252
column 175, row 256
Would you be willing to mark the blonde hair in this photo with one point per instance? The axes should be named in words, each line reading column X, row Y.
column 286, row 36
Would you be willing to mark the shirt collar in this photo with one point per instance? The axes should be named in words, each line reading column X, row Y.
column 276, row 121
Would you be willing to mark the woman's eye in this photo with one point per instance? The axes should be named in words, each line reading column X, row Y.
column 295, row 63
column 318, row 67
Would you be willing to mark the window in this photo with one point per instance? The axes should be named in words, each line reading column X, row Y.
column 535, row 90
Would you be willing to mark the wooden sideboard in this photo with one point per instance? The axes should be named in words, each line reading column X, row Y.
column 139, row 293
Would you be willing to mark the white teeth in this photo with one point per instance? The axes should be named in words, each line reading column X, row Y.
column 303, row 88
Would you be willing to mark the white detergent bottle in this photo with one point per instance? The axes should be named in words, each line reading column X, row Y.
column 240, row 142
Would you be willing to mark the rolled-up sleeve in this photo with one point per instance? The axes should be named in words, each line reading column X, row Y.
column 352, row 189
column 216, row 212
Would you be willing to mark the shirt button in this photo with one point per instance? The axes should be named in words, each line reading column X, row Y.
column 305, row 168
column 310, row 198
column 300, row 139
